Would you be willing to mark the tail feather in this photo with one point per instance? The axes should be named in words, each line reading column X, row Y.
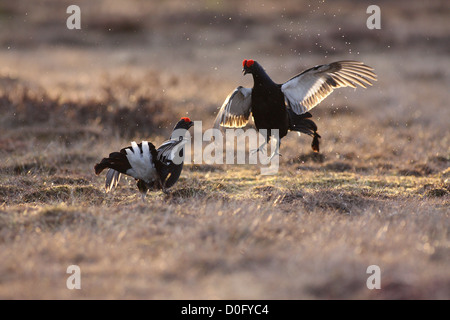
column 112, row 179
column 315, row 142
column 99, row 167
column 116, row 160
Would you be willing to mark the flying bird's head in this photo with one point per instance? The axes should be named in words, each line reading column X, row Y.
column 248, row 66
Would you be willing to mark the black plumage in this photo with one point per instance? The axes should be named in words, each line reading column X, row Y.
column 285, row 106
column 152, row 168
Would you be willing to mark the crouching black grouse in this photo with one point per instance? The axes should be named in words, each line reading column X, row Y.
column 152, row 168
column 285, row 106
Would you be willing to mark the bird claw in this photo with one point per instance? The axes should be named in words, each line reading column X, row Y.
column 257, row 150
column 260, row 148
column 274, row 154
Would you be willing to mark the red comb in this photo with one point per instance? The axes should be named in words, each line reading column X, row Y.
column 248, row 63
column 186, row 119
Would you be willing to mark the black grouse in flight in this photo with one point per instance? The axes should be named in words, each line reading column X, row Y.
column 285, row 106
column 152, row 168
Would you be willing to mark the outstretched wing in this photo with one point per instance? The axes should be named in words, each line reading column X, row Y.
column 236, row 109
column 307, row 89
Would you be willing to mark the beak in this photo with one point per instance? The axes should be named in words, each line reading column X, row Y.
column 191, row 124
column 244, row 72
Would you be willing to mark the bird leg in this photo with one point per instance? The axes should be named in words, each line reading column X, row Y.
column 143, row 188
column 277, row 150
column 260, row 148
column 163, row 184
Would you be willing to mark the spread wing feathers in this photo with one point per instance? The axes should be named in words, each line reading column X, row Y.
column 236, row 109
column 112, row 179
column 169, row 150
column 304, row 91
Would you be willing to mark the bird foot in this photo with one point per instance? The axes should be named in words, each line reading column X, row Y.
column 260, row 149
column 274, row 154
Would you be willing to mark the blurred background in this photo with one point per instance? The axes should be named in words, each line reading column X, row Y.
column 184, row 57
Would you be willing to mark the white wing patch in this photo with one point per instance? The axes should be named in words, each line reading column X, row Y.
column 142, row 166
column 236, row 109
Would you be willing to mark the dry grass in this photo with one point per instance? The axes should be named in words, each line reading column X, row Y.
column 379, row 192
